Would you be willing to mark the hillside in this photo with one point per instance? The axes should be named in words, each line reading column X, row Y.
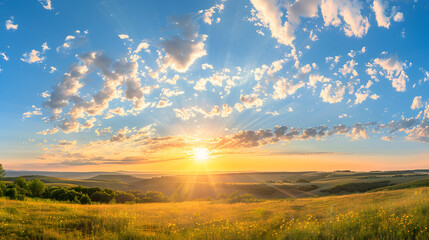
column 412, row 184
column 116, row 178
column 267, row 185
column 399, row 214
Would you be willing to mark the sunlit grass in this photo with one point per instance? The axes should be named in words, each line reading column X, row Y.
column 402, row 214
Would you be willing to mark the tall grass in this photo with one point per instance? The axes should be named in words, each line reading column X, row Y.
column 401, row 214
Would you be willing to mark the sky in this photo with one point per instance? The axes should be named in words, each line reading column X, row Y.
column 226, row 85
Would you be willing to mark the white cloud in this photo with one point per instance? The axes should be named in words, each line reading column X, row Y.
column 250, row 101
column 399, row 17
column 164, row 102
column 314, row 78
column 417, row 103
column 208, row 14
column 275, row 113
column 284, row 87
column 142, row 45
column 183, row 50
column 226, row 110
column 168, row 92
column 73, row 41
column 10, row 26
column 206, row 66
column 361, row 96
column 394, row 71
column 46, row 4
column 348, row 68
column 270, row 15
column 6, row 58
column 350, row 10
column 32, row 57
column 379, row 8
column 33, row 112
column 333, row 95
column 45, row 47
column 123, row 36
column 302, row 8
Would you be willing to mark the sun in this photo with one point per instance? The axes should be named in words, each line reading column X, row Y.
column 201, row 154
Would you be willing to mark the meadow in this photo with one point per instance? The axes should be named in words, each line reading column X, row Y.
column 396, row 214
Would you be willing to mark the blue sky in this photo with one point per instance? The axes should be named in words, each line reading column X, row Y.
column 260, row 84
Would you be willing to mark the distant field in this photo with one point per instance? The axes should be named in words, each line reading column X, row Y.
column 399, row 214
column 264, row 185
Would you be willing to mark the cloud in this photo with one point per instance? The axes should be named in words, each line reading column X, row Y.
column 420, row 133
column 164, row 102
column 48, row 131
column 10, row 26
column 302, row 8
column 350, row 11
column 251, row 101
column 399, row 17
column 216, row 80
column 361, row 96
column 45, row 47
column 314, row 78
column 270, row 15
column 74, row 41
column 142, row 45
column 46, row 4
column 123, row 36
column 66, row 143
column 169, row 93
column 275, row 113
column 332, row 94
column 285, row 87
column 208, row 14
column 206, row 66
column 114, row 74
column 379, row 8
column 417, row 103
column 348, row 68
column 394, row 70
column 33, row 112
column 32, row 57
column 184, row 114
column 226, row 110
column 182, row 50
column 401, row 125
column 6, row 58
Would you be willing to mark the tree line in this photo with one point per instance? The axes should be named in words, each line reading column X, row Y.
column 20, row 189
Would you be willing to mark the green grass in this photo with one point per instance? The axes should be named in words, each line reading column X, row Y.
column 411, row 184
column 400, row 214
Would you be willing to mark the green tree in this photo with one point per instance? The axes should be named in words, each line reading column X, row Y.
column 2, row 172
column 36, row 187
column 20, row 182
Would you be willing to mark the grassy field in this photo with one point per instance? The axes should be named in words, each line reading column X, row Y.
column 399, row 214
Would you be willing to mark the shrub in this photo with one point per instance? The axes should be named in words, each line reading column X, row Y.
column 123, row 197
column 101, row 197
column 36, row 187
column 2, row 189
column 151, row 197
column 235, row 197
column 85, row 199
column 302, row 180
column 12, row 193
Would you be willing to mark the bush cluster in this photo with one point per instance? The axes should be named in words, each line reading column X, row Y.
column 21, row 188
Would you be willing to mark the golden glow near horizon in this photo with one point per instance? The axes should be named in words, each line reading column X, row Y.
column 201, row 154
